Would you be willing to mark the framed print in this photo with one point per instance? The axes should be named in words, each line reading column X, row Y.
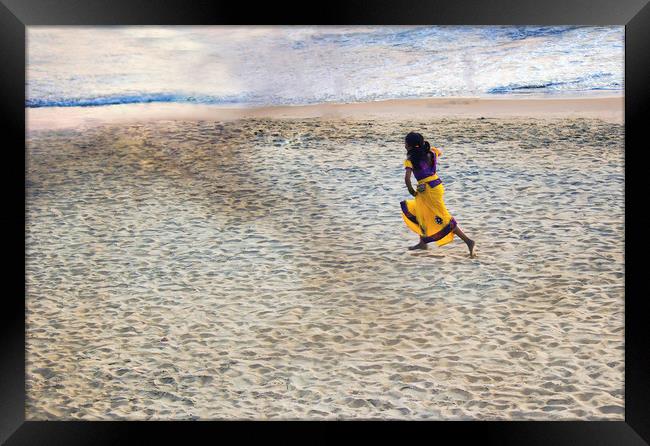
column 352, row 217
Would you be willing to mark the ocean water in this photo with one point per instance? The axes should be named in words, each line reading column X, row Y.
column 286, row 65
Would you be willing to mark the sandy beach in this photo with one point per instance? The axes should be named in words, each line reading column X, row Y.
column 195, row 262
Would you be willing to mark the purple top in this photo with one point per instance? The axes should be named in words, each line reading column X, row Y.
column 425, row 169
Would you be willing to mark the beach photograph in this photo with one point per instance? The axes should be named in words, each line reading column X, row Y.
column 325, row 223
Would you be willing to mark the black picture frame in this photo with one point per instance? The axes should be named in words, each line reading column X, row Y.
column 16, row 15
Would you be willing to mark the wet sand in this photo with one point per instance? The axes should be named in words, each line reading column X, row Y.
column 257, row 269
column 595, row 106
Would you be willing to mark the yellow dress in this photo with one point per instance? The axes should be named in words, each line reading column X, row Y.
column 426, row 213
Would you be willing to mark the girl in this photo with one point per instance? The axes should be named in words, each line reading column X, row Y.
column 426, row 214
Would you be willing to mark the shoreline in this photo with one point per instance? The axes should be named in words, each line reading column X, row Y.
column 606, row 108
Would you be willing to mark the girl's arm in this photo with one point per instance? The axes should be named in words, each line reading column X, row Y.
column 407, row 180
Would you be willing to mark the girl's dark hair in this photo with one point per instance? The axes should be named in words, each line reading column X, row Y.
column 418, row 149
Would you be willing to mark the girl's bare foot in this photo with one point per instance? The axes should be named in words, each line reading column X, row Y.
column 420, row 245
column 470, row 245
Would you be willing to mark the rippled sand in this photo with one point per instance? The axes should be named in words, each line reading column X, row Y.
column 257, row 269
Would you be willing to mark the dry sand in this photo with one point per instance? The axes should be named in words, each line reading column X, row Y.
column 257, row 269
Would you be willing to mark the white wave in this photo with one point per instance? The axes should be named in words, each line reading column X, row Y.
column 293, row 65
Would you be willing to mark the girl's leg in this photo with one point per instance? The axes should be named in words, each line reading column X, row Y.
column 420, row 245
column 470, row 243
